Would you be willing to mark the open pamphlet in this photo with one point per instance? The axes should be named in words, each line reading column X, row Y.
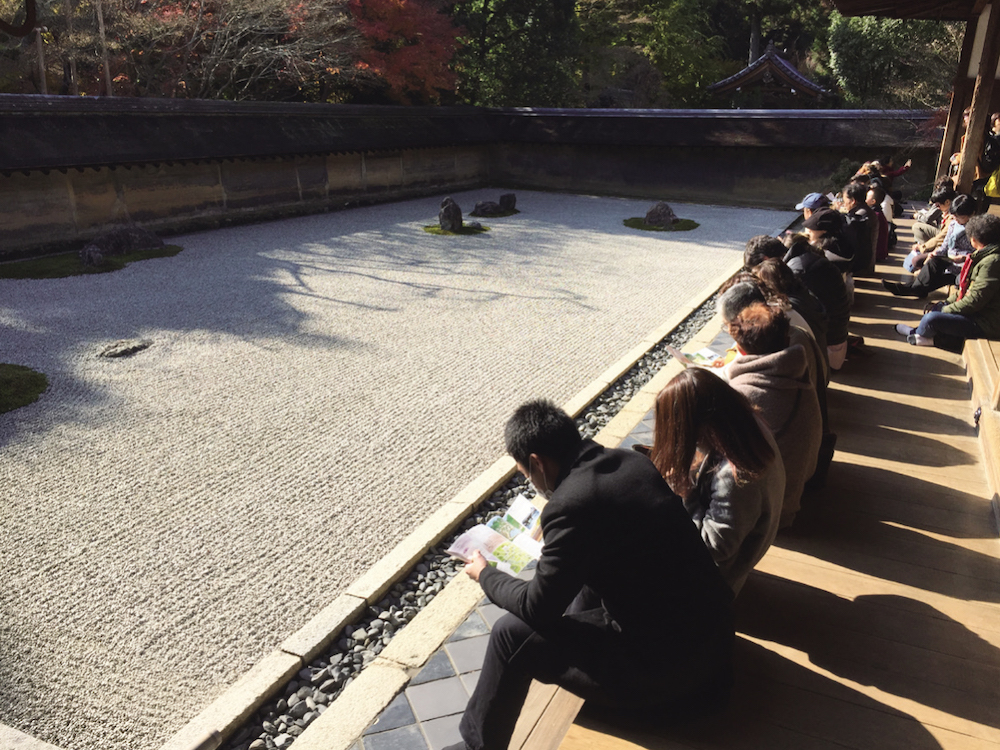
column 509, row 542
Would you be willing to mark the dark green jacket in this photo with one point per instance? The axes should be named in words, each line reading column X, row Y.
column 981, row 302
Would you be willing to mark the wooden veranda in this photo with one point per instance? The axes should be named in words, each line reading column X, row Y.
column 875, row 623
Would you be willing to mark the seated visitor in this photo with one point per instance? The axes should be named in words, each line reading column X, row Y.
column 860, row 224
column 941, row 266
column 825, row 229
column 875, row 198
column 775, row 379
column 925, row 232
column 620, row 555
column 972, row 310
column 812, row 202
column 783, row 286
column 751, row 290
column 827, row 283
column 723, row 462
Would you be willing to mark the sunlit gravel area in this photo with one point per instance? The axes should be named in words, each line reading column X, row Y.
column 315, row 388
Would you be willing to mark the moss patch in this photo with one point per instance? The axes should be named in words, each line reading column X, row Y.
column 638, row 222
column 20, row 386
column 69, row 264
column 436, row 229
column 496, row 216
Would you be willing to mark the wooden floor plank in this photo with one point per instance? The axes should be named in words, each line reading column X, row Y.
column 536, row 703
column 559, row 716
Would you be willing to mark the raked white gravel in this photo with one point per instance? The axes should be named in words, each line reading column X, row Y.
column 316, row 387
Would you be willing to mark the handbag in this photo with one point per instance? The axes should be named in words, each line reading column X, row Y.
column 992, row 187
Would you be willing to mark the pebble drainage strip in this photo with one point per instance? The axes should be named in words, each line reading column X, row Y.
column 277, row 723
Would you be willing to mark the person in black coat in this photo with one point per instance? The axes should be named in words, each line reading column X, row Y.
column 626, row 608
column 825, row 281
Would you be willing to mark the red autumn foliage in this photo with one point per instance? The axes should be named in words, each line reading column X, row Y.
column 410, row 45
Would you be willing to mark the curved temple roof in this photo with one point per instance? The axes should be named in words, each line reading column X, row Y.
column 769, row 64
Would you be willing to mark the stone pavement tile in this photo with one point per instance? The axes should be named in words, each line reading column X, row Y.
column 442, row 732
column 473, row 626
column 438, row 698
column 470, row 680
column 397, row 714
column 437, row 668
column 491, row 613
column 467, row 655
column 404, row 738
column 633, row 439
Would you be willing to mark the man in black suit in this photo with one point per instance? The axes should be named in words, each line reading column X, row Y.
column 626, row 608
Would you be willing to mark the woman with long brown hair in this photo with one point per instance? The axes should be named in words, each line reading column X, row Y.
column 723, row 462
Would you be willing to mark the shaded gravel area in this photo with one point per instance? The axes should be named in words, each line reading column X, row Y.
column 315, row 388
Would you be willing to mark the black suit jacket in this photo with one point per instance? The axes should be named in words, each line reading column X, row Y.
column 615, row 526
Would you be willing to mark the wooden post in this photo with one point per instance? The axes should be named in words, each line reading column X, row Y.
column 104, row 48
column 42, row 84
column 981, row 95
column 74, row 87
column 959, row 97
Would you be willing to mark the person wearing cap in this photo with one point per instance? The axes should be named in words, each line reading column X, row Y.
column 812, row 202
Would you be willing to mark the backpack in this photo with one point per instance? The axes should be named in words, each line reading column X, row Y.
column 990, row 160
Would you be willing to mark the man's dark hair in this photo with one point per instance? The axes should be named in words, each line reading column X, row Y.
column 762, row 247
column 739, row 296
column 963, row 205
column 542, row 427
column 942, row 194
column 984, row 229
column 856, row 192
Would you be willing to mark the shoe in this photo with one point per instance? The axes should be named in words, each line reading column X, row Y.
column 904, row 330
column 902, row 290
column 919, row 340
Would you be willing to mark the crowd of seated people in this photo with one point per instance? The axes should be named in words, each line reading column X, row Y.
column 734, row 451
column 972, row 309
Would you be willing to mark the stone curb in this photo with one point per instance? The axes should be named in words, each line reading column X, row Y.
column 371, row 691
column 12, row 739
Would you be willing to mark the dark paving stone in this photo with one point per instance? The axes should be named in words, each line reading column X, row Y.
column 396, row 714
column 439, row 698
column 405, row 738
column 437, row 668
column 442, row 732
column 630, row 441
column 491, row 613
column 474, row 625
column 467, row 655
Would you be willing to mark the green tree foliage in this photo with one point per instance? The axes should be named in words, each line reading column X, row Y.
column 518, row 52
column 640, row 53
column 409, row 46
column 891, row 63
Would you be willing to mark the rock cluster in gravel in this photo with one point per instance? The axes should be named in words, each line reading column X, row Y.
column 281, row 720
column 124, row 347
